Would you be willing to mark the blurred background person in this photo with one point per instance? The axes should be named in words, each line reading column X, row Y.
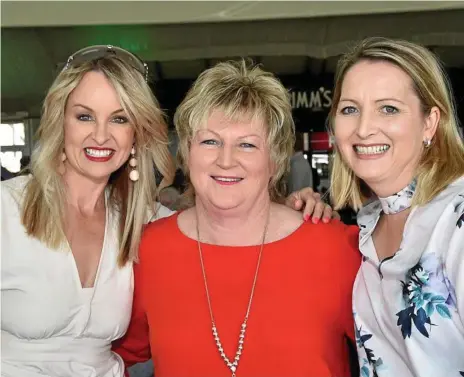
column 301, row 173
column 169, row 197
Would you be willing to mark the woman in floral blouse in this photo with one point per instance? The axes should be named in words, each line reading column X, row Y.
column 400, row 160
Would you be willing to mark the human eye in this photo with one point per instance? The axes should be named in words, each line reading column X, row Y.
column 348, row 110
column 84, row 117
column 388, row 109
column 209, row 142
column 247, row 145
column 120, row 120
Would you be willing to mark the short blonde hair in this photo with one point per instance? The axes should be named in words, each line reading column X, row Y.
column 44, row 201
column 440, row 164
column 239, row 88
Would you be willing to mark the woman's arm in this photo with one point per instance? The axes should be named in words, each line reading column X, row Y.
column 134, row 346
column 351, row 261
column 454, row 259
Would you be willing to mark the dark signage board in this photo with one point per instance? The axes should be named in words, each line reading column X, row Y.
column 311, row 97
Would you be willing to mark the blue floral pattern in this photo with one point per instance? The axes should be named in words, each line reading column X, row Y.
column 399, row 201
column 426, row 292
column 408, row 305
column 370, row 361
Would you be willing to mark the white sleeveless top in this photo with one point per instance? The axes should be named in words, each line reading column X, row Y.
column 50, row 325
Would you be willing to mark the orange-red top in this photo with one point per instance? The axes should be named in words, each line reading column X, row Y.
column 300, row 315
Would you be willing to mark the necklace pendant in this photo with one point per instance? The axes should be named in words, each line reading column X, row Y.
column 232, row 365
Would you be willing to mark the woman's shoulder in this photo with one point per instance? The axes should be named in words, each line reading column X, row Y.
column 16, row 183
column 158, row 236
column 335, row 230
column 454, row 189
column 334, row 244
column 12, row 190
column 445, row 203
column 333, row 233
column 164, row 222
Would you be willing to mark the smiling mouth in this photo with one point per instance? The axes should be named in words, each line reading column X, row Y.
column 371, row 150
column 227, row 179
column 98, row 153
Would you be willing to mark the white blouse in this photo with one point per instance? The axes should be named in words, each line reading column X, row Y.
column 50, row 325
column 409, row 308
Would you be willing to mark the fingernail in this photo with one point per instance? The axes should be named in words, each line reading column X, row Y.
column 315, row 220
column 325, row 220
column 306, row 217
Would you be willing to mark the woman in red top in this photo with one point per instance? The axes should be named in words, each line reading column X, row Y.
column 238, row 284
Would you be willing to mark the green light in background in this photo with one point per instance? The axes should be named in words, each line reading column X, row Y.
column 133, row 38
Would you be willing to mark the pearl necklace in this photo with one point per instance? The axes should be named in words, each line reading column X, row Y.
column 232, row 365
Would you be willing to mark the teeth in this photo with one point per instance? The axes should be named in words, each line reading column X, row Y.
column 222, row 179
column 378, row 149
column 97, row 152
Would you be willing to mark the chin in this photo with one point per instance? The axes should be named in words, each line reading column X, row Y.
column 98, row 177
column 371, row 177
column 372, row 172
column 225, row 203
column 225, row 206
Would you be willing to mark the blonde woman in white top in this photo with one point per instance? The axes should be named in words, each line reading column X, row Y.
column 70, row 231
column 400, row 157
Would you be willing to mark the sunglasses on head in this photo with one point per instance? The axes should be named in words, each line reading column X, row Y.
column 100, row 51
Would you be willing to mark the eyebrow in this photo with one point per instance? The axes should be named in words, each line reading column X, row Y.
column 91, row 110
column 378, row 100
column 241, row 137
column 390, row 99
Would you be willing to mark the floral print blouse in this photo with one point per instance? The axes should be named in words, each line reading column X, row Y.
column 409, row 308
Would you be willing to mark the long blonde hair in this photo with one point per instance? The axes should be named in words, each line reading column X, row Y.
column 43, row 208
column 441, row 163
column 240, row 88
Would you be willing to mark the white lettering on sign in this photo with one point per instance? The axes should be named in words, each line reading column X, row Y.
column 315, row 100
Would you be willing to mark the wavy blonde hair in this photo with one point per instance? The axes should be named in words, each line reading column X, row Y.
column 43, row 209
column 239, row 88
column 441, row 163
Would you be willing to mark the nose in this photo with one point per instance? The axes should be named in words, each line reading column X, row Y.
column 366, row 125
column 226, row 158
column 101, row 132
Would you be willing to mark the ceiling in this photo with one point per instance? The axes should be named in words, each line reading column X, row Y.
column 180, row 39
column 73, row 13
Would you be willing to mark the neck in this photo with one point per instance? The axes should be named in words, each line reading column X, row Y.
column 384, row 189
column 222, row 227
column 84, row 195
